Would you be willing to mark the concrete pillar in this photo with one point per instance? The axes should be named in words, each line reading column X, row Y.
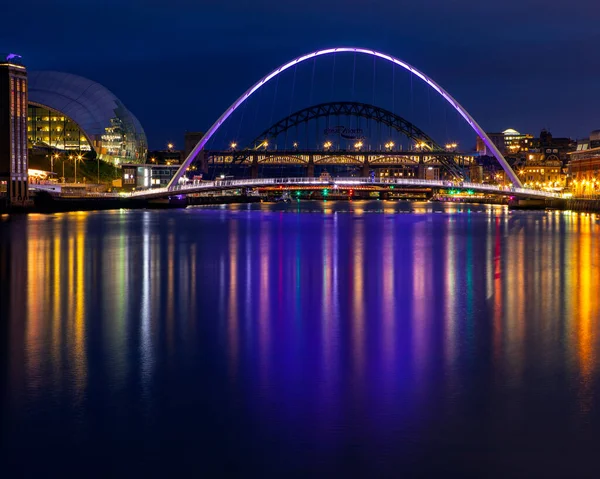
column 254, row 167
column 310, row 170
column 365, row 167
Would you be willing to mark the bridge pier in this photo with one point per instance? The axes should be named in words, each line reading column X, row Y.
column 310, row 169
column 421, row 171
column 254, row 167
column 365, row 168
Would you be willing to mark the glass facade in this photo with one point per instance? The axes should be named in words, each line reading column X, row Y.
column 69, row 112
column 50, row 129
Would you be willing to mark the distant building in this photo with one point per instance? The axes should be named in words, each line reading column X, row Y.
column 541, row 171
column 509, row 142
column 432, row 173
column 165, row 157
column 584, row 166
column 13, row 131
column 553, row 148
column 135, row 176
column 539, row 162
column 69, row 113
column 476, row 173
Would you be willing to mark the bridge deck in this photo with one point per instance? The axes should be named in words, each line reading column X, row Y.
column 198, row 187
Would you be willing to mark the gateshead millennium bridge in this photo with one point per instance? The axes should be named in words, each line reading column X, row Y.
column 193, row 156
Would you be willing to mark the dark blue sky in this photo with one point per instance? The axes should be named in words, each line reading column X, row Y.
column 526, row 64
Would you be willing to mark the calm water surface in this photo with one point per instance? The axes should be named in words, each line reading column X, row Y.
column 373, row 339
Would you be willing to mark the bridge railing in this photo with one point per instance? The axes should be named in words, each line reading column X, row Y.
column 252, row 182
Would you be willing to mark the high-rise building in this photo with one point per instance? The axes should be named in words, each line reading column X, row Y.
column 13, row 130
column 509, row 142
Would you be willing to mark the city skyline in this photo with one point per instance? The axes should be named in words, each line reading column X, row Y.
column 530, row 68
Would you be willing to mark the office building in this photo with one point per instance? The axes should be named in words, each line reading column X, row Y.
column 13, row 131
column 136, row 176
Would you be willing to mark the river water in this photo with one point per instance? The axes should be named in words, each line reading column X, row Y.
column 334, row 339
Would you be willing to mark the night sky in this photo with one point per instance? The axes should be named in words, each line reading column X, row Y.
column 177, row 64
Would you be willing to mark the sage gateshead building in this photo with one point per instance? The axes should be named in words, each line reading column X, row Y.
column 68, row 113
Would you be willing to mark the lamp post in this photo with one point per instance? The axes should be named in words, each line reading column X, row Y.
column 53, row 157
column 77, row 158
column 71, row 158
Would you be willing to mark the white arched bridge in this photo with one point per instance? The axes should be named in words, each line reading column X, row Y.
column 251, row 183
column 175, row 181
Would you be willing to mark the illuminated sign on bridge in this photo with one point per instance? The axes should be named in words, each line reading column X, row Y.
column 346, row 133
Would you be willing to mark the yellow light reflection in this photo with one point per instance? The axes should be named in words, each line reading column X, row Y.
column 358, row 300
column 232, row 308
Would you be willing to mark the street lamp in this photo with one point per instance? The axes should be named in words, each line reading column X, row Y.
column 170, row 146
column 389, row 145
column 78, row 158
column 233, row 145
column 53, row 157
column 358, row 145
column 327, row 145
column 70, row 158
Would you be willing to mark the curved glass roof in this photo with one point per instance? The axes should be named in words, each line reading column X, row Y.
column 511, row 132
column 114, row 130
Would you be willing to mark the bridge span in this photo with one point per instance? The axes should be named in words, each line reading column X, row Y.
column 228, row 184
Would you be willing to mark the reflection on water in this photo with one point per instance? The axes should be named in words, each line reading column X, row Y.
column 345, row 333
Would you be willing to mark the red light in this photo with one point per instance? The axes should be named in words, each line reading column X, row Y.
column 351, row 192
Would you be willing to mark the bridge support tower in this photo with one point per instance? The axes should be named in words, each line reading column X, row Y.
column 365, row 167
column 254, row 166
column 310, row 169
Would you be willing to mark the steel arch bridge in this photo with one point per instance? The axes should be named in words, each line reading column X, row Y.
column 412, row 163
column 349, row 108
column 330, row 51
column 331, row 109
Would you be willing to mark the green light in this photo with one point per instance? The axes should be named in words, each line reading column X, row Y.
column 325, row 192
column 392, row 187
column 297, row 193
column 470, row 192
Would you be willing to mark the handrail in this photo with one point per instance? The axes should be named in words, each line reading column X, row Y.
column 236, row 183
